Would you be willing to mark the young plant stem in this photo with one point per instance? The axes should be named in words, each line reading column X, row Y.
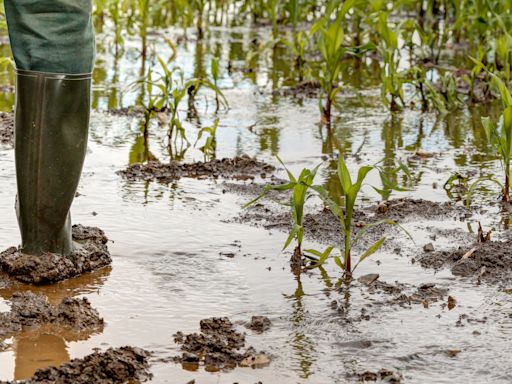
column 506, row 188
column 348, row 258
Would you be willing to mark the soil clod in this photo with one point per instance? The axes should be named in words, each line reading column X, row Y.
column 383, row 375
column 218, row 346
column 91, row 254
column 29, row 310
column 114, row 366
column 259, row 323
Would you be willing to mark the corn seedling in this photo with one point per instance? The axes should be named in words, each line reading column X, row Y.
column 500, row 134
column 300, row 188
column 330, row 44
column 209, row 147
column 345, row 213
column 392, row 90
column 214, row 67
column 298, row 45
column 172, row 89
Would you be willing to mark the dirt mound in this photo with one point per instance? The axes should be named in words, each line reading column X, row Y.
column 120, row 365
column 241, row 168
column 49, row 268
column 400, row 209
column 218, row 345
column 7, row 128
column 490, row 261
column 29, row 310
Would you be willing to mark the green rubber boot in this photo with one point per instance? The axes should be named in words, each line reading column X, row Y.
column 52, row 120
column 52, row 42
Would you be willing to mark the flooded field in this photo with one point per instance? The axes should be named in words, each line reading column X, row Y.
column 185, row 249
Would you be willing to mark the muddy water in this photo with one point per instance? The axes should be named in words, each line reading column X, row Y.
column 168, row 241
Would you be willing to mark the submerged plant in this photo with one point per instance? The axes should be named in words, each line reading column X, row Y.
column 300, row 189
column 209, row 147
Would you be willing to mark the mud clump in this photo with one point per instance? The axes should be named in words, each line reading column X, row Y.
column 114, row 366
column 50, row 267
column 259, row 324
column 383, row 375
column 29, row 310
column 240, row 168
column 218, row 345
column 7, row 128
column 490, row 261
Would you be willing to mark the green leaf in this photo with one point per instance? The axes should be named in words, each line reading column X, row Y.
column 374, row 248
column 339, row 263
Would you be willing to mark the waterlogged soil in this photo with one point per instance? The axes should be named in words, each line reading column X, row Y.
column 239, row 168
column 490, row 261
column 114, row 366
column 323, row 226
column 220, row 346
column 91, row 253
column 34, row 310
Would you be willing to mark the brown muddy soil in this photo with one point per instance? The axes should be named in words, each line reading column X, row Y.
column 217, row 346
column 323, row 226
column 32, row 310
column 239, row 168
column 490, row 261
column 309, row 89
column 91, row 254
column 7, row 128
column 259, row 324
column 114, row 366
column 404, row 295
column 382, row 376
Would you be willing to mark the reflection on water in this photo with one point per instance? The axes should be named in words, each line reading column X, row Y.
column 42, row 346
column 38, row 351
column 303, row 345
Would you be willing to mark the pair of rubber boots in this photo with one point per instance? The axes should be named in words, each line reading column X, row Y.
column 51, row 130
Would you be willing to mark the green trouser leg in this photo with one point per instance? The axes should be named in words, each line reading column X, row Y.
column 53, row 46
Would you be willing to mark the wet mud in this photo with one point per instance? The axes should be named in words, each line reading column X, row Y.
column 218, row 345
column 382, row 376
column 91, row 254
column 384, row 294
column 114, row 366
column 259, row 324
column 7, row 128
column 305, row 89
column 323, row 226
column 239, row 168
column 33, row 310
column 490, row 261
